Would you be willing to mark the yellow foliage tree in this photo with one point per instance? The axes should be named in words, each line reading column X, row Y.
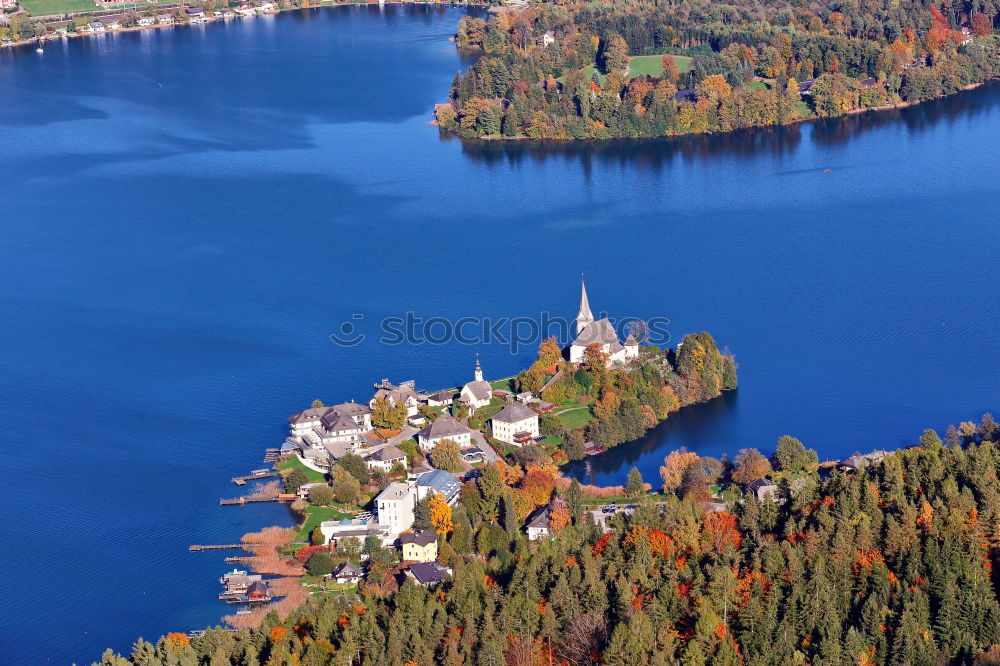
column 674, row 467
column 441, row 514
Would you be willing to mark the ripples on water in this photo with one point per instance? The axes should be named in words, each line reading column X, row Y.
column 189, row 213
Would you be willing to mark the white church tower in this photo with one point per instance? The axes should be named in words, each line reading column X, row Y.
column 584, row 317
column 479, row 370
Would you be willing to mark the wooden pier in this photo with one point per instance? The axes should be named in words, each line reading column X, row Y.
column 272, row 455
column 238, row 559
column 215, row 546
column 254, row 475
column 249, row 499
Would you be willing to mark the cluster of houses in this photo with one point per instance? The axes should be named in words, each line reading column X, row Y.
column 323, row 434
column 766, row 489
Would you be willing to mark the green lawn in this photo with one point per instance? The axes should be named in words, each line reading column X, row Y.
column 44, row 7
column 803, row 110
column 575, row 418
column 293, row 462
column 503, row 384
column 316, row 515
column 759, row 84
column 653, row 65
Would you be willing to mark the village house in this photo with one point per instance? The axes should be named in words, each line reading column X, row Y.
column 98, row 26
column 538, row 525
column 146, row 21
column 165, row 19
column 384, row 458
column 601, row 332
column 857, row 461
column 419, row 546
column 8, row 4
column 360, row 528
column 194, row 12
column 320, row 426
column 477, row 393
column 114, row 25
column 515, row 424
column 439, row 482
column 764, row 489
column 395, row 505
column 346, row 573
column 244, row 10
column 396, row 395
column 440, row 399
column 446, row 427
column 548, row 38
column 427, row 574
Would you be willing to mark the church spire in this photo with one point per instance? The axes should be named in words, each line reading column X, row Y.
column 584, row 317
column 479, row 370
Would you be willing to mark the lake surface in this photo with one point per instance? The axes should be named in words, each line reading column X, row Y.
column 188, row 214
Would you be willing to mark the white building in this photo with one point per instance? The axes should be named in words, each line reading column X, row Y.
column 601, row 332
column 358, row 528
column 515, row 424
column 343, row 423
column 146, row 21
column 398, row 395
column 446, row 427
column 384, row 458
column 439, row 482
column 395, row 507
column 477, row 393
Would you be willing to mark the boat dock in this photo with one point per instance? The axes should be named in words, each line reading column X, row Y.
column 249, row 499
column 272, row 455
column 254, row 475
column 215, row 546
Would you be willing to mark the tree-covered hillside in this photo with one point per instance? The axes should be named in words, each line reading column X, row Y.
column 754, row 63
column 891, row 564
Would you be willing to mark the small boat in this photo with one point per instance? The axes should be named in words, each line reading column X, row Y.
column 827, row 170
column 40, row 49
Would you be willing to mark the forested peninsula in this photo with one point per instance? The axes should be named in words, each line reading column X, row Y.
column 889, row 562
column 604, row 69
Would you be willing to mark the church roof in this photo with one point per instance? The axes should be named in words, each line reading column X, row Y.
column 480, row 390
column 601, row 332
column 584, row 312
column 630, row 341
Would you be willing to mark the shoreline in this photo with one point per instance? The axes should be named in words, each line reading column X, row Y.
column 797, row 121
column 71, row 34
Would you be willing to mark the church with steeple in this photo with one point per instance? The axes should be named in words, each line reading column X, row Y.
column 477, row 393
column 601, row 332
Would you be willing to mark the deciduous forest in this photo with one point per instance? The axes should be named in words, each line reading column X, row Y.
column 892, row 563
column 568, row 71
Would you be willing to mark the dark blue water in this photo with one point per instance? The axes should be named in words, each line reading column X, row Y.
column 188, row 214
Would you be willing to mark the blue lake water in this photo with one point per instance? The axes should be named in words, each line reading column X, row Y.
column 188, row 214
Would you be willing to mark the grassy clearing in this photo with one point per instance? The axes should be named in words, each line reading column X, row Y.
column 802, row 109
column 640, row 65
column 46, row 7
column 575, row 418
column 294, row 462
column 503, row 384
column 316, row 515
column 759, row 84
column 653, row 65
